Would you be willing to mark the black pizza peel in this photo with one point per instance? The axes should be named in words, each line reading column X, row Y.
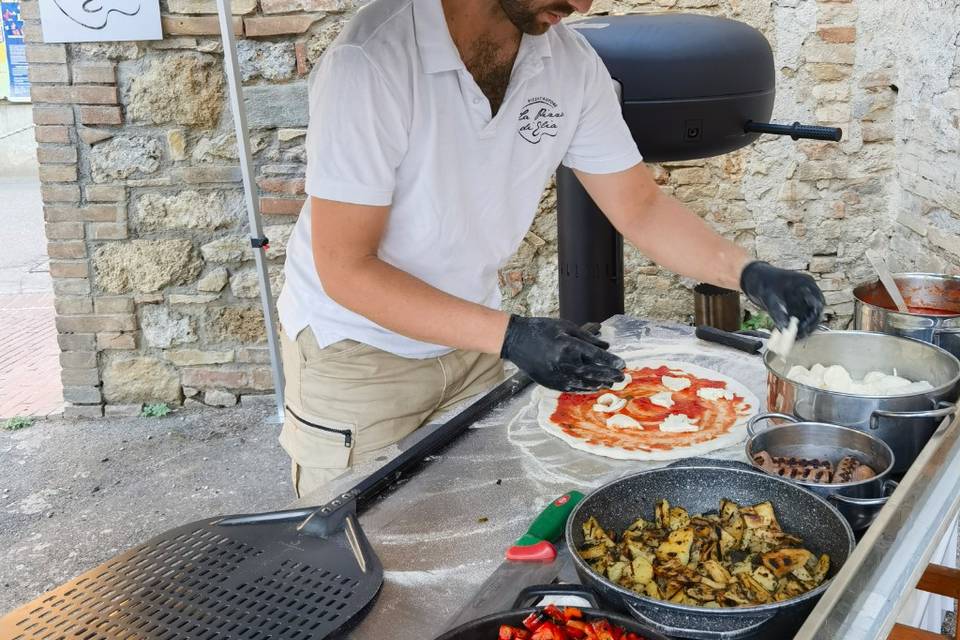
column 302, row 573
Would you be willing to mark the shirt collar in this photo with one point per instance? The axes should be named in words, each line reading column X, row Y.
column 437, row 50
column 539, row 45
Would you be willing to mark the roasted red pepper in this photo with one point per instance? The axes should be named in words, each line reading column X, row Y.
column 534, row 620
column 554, row 612
column 548, row 631
column 577, row 629
column 569, row 613
column 552, row 623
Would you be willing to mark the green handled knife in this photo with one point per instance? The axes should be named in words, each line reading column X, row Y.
column 530, row 561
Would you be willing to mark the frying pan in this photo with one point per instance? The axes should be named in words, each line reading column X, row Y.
column 698, row 485
column 486, row 628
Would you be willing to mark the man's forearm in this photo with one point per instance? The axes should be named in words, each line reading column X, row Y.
column 402, row 303
column 679, row 240
column 663, row 229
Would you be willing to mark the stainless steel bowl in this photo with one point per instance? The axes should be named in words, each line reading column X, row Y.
column 905, row 422
column 873, row 310
column 859, row 502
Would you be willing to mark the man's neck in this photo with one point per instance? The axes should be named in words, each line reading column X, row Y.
column 488, row 43
column 473, row 20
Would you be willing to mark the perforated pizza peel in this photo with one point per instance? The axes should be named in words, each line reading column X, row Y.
column 295, row 574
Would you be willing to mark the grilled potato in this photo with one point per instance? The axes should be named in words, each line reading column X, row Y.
column 784, row 561
column 662, row 514
column 739, row 556
column 727, row 544
column 717, row 571
column 653, row 590
column 755, row 591
column 823, row 566
column 679, row 518
column 642, row 570
column 676, row 546
column 760, row 515
column 615, row 571
column 593, row 532
column 766, row 578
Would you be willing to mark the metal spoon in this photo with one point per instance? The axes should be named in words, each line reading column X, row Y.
column 880, row 266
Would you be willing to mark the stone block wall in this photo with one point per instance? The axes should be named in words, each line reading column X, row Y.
column 923, row 57
column 156, row 293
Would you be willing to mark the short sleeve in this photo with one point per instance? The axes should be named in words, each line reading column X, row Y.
column 602, row 142
column 356, row 136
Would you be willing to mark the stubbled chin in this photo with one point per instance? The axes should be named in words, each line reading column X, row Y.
column 538, row 29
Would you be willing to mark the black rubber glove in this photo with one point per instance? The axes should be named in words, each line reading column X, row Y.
column 783, row 294
column 559, row 355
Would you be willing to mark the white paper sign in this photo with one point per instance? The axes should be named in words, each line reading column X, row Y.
column 100, row 20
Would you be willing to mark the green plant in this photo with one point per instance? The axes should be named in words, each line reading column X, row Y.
column 16, row 423
column 156, row 410
column 759, row 321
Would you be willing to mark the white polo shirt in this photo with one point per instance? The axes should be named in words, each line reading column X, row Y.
column 396, row 119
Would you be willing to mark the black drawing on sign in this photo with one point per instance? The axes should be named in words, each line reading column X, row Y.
column 95, row 14
column 538, row 118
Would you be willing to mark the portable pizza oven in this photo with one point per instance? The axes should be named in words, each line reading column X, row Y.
column 692, row 86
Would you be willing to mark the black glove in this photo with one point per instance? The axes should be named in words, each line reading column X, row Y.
column 783, row 294
column 559, row 355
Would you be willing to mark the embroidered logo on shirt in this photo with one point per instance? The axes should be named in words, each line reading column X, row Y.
column 538, row 118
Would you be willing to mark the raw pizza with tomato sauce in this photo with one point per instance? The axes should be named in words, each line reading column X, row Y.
column 667, row 410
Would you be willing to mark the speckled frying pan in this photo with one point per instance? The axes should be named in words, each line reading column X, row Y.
column 698, row 486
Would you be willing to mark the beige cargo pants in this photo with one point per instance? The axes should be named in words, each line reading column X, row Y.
column 349, row 400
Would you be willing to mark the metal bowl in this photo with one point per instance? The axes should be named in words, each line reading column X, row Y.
column 860, row 501
column 905, row 422
column 699, row 490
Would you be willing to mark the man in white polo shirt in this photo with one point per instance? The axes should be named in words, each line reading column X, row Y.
column 434, row 127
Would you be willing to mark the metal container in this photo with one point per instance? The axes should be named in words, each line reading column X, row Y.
column 933, row 298
column 905, row 422
column 716, row 307
column 699, row 490
column 859, row 502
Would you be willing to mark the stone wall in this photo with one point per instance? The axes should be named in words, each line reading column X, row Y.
column 923, row 58
column 156, row 292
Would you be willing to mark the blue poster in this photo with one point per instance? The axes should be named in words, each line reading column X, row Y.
column 16, row 50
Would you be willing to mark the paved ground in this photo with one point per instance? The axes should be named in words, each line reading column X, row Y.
column 23, row 261
column 30, row 369
column 74, row 494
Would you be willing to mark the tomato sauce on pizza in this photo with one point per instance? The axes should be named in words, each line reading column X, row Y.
column 575, row 415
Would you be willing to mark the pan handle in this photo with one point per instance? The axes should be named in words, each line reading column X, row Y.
column 720, row 628
column 534, row 593
column 945, row 409
column 889, row 486
column 729, row 339
column 763, row 417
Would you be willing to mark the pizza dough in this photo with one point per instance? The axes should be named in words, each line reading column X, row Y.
column 708, row 411
column 837, row 378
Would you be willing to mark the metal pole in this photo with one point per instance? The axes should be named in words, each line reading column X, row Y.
column 231, row 67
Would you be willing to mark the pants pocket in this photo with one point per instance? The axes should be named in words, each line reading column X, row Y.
column 317, row 443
